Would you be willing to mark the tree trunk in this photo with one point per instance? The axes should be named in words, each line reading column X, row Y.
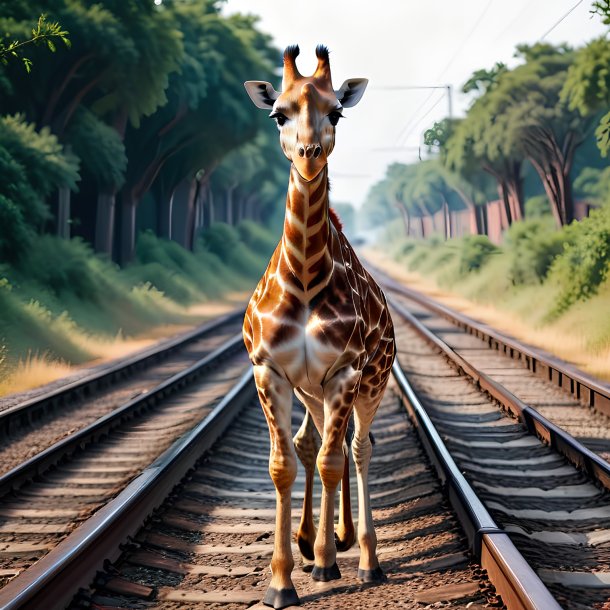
column 505, row 212
column 129, row 203
column 482, row 224
column 473, row 220
column 104, row 222
column 63, row 214
column 404, row 214
column 229, row 211
column 211, row 207
column 165, row 207
column 422, row 227
column 446, row 221
column 184, row 212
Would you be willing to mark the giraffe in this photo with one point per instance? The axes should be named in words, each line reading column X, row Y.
column 319, row 326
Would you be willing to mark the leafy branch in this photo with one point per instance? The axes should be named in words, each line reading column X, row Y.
column 602, row 8
column 44, row 33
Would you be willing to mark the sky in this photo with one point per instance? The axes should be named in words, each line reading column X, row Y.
column 398, row 43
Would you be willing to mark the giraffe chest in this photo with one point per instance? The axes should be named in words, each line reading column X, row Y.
column 307, row 344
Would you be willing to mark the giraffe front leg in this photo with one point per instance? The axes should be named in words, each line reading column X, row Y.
column 307, row 445
column 339, row 395
column 369, row 569
column 275, row 395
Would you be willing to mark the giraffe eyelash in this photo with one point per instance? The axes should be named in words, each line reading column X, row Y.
column 279, row 118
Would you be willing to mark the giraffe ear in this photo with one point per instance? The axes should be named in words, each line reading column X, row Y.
column 261, row 93
column 351, row 91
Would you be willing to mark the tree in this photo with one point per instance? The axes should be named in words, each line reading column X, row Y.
column 531, row 118
column 32, row 164
column 207, row 114
column 587, row 87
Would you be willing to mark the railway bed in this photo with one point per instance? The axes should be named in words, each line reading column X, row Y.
column 169, row 540
column 29, row 426
column 557, row 515
column 47, row 497
column 211, row 542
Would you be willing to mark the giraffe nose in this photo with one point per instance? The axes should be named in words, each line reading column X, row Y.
column 309, row 150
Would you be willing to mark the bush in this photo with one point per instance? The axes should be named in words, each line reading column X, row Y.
column 537, row 207
column 257, row 238
column 585, row 262
column 223, row 241
column 474, row 252
column 532, row 247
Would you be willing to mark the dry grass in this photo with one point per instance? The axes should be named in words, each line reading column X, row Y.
column 40, row 369
column 32, row 372
column 570, row 338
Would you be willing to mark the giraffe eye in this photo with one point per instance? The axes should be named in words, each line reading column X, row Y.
column 279, row 118
column 334, row 117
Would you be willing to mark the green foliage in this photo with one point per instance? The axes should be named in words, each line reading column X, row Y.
column 43, row 33
column 585, row 262
column 223, row 241
column 602, row 135
column 532, row 246
column 602, row 8
column 537, row 207
column 594, row 184
column 32, row 163
column 257, row 238
column 474, row 252
column 100, row 148
column 587, row 86
column 63, row 266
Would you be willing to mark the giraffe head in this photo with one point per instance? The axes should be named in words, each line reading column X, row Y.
column 307, row 110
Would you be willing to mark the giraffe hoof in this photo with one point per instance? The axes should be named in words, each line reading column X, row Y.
column 306, row 548
column 326, row 574
column 347, row 543
column 281, row 598
column 375, row 575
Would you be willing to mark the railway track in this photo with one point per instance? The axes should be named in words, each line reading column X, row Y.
column 29, row 426
column 211, row 539
column 506, row 413
column 44, row 498
column 196, row 525
column 209, row 543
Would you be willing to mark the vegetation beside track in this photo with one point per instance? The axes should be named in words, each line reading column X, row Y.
column 64, row 305
column 546, row 286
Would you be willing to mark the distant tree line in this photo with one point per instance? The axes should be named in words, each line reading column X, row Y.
column 140, row 122
column 542, row 128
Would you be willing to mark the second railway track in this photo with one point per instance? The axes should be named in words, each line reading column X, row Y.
column 47, row 496
column 557, row 514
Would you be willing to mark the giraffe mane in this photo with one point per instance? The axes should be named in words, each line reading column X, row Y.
column 334, row 218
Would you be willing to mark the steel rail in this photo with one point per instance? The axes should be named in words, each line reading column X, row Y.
column 41, row 462
column 508, row 571
column 589, row 391
column 53, row 580
column 535, row 423
column 33, row 409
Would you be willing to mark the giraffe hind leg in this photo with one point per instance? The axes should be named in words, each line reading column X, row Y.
column 345, row 534
column 307, row 445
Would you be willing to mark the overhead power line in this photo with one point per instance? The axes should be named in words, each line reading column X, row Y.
column 414, row 121
column 552, row 28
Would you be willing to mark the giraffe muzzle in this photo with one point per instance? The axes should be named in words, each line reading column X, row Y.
column 309, row 150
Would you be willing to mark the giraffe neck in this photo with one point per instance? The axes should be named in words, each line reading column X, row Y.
column 307, row 234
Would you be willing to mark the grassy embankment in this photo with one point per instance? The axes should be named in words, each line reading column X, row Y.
column 63, row 306
column 546, row 287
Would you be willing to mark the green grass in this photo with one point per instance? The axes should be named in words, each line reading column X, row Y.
column 62, row 301
column 555, row 282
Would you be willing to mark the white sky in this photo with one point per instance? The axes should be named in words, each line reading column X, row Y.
column 408, row 42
